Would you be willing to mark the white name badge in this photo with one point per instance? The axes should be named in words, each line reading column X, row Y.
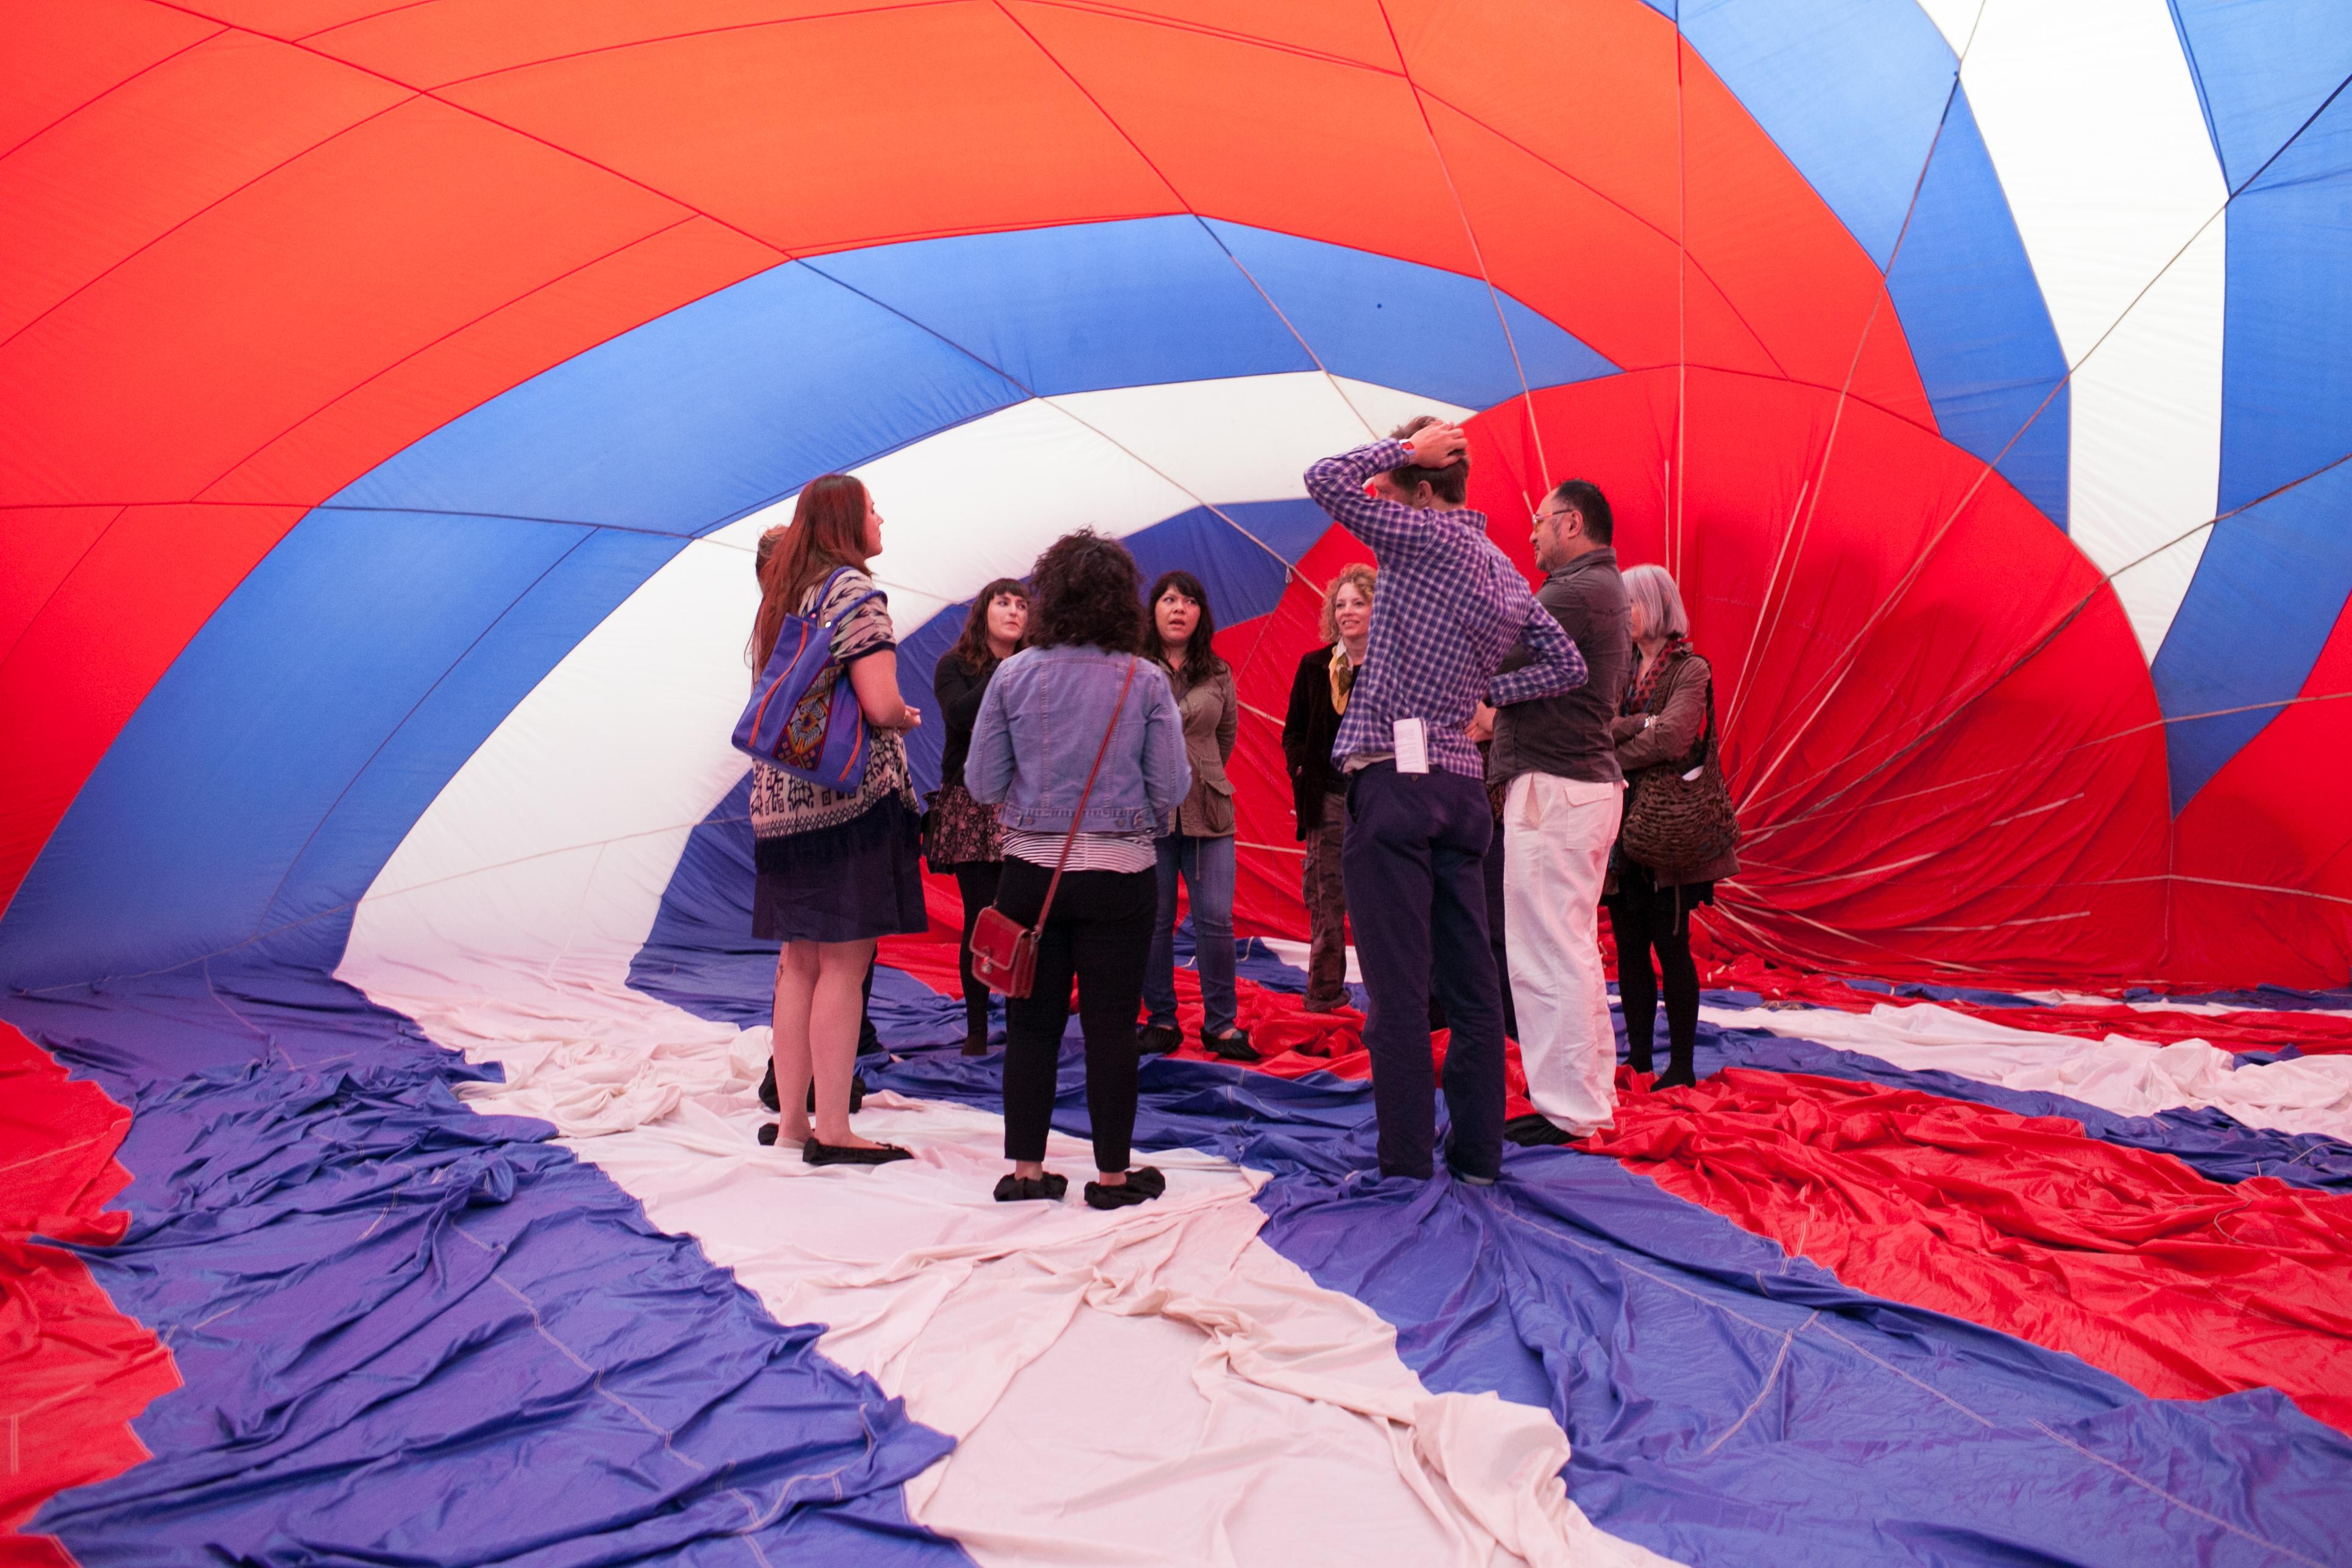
column 1411, row 746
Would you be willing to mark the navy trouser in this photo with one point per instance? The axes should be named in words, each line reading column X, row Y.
column 1415, row 867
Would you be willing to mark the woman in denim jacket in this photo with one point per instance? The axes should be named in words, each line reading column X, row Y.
column 1041, row 726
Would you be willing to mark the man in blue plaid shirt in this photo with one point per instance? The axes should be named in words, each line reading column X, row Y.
column 1450, row 606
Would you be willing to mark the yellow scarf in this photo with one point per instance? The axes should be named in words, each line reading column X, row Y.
column 1343, row 678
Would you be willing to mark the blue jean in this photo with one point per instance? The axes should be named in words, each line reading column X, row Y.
column 1207, row 867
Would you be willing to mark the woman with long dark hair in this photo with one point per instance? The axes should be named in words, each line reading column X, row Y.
column 965, row 838
column 1078, row 744
column 836, row 870
column 1197, row 844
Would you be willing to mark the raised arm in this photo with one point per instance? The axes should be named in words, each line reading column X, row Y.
column 1555, row 667
column 1392, row 529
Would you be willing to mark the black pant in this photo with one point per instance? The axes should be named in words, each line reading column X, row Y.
column 1417, row 896
column 1494, row 869
column 1100, row 934
column 1649, row 919
column 977, row 883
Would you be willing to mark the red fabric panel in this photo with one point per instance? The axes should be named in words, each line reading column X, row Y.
column 844, row 130
column 2184, row 1287
column 53, row 59
column 2263, row 852
column 73, row 1371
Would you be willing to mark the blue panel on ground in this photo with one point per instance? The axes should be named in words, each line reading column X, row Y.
column 361, row 1279
column 1850, row 90
column 344, row 635
column 1727, row 1405
column 2270, row 587
column 2273, row 579
column 1980, row 333
column 1372, row 318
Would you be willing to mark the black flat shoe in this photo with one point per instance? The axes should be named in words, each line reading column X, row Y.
column 1675, row 1078
column 1159, row 1040
column 975, row 1045
column 768, row 1088
column 767, row 1135
column 1535, row 1131
column 817, row 1153
column 1048, row 1188
column 1143, row 1184
column 1232, row 1048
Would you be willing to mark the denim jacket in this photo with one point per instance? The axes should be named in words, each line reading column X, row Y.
column 1040, row 724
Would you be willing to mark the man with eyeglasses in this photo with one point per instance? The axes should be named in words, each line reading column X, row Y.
column 1563, row 794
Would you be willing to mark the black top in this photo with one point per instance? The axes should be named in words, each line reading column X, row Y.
column 957, row 691
column 1307, row 733
column 1568, row 735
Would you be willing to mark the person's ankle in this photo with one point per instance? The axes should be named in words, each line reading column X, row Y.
column 1110, row 1178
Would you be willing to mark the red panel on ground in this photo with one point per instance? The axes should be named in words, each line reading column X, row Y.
column 73, row 1371
column 2184, row 1287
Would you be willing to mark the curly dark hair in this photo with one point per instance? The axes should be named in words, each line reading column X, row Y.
column 1085, row 589
column 1201, row 660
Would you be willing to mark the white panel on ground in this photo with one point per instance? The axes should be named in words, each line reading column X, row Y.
column 2094, row 127
column 2128, row 1076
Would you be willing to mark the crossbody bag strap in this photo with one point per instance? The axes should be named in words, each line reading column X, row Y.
column 1070, row 840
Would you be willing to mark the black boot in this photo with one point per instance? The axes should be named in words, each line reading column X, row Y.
column 1679, row 1073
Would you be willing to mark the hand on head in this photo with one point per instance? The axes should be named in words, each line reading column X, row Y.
column 1438, row 446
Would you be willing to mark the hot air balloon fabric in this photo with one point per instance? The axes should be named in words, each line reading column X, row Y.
column 394, row 394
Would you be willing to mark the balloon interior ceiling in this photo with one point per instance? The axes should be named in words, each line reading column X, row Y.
column 394, row 394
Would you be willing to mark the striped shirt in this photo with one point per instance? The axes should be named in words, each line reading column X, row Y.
column 1090, row 852
column 1450, row 606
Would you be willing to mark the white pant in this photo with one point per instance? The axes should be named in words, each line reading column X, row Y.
column 1556, row 838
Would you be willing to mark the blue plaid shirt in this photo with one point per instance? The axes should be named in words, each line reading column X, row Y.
column 1448, row 607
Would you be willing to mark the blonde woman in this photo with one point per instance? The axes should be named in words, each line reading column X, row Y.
column 1318, row 695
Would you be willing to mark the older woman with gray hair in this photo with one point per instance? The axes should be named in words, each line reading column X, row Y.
column 1666, row 723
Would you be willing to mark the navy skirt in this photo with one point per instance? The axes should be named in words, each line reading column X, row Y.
column 863, row 879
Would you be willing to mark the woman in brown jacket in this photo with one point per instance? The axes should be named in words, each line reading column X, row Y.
column 1199, row 845
column 1660, row 722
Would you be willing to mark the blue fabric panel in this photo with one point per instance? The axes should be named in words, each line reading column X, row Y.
column 1968, row 301
column 1244, row 580
column 407, row 1333
column 1725, row 1404
column 1085, row 307
column 341, row 636
column 2262, row 70
column 1850, row 90
column 2271, row 586
column 700, row 415
column 1375, row 319
column 2274, row 578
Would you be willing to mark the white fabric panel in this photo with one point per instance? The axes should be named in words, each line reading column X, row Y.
column 2128, row 1076
column 2093, row 124
column 1153, row 1386
column 567, row 822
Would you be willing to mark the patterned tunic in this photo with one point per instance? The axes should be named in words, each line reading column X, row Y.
column 783, row 805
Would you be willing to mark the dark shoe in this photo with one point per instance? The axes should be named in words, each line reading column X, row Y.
column 767, row 1135
column 1677, row 1076
column 1464, row 1177
column 856, row 1091
column 1535, row 1131
column 1309, row 1005
column 1048, row 1187
column 975, row 1045
column 768, row 1088
column 817, row 1153
column 1160, row 1040
column 1232, row 1048
column 1143, row 1184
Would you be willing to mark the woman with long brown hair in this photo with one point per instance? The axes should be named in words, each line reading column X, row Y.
column 1197, row 844
column 965, row 838
column 836, row 870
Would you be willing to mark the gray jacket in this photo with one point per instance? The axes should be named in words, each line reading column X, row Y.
column 1568, row 735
